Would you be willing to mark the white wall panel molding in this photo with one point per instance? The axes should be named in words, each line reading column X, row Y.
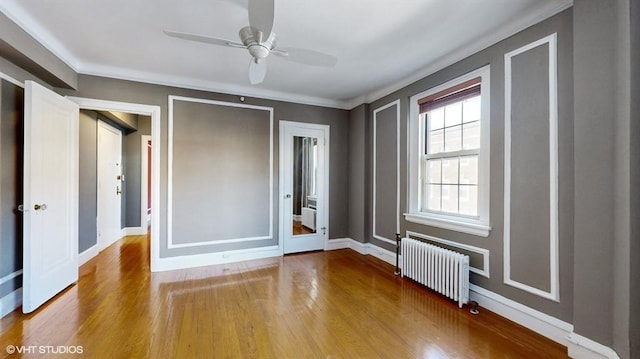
column 553, row 293
column 375, row 232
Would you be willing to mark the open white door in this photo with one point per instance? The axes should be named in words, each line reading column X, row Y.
column 304, row 179
column 50, row 195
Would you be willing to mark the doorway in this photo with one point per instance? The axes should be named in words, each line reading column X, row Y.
column 154, row 179
column 304, row 181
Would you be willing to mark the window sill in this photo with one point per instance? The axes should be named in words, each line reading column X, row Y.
column 475, row 229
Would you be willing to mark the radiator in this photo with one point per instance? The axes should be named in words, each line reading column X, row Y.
column 443, row 270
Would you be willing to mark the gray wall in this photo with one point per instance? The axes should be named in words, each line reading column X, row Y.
column 526, row 271
column 529, row 204
column 634, row 253
column 132, row 165
column 386, row 172
column 358, row 179
column 18, row 47
column 88, row 179
column 11, row 160
column 128, row 91
column 606, row 177
column 221, row 173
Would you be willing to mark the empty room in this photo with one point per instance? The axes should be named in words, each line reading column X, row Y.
column 325, row 179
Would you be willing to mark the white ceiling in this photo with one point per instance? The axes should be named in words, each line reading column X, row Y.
column 381, row 45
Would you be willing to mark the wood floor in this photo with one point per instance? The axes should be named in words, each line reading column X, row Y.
column 335, row 304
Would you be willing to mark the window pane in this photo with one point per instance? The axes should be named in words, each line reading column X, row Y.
column 436, row 141
column 453, row 114
column 433, row 197
column 471, row 135
column 469, row 170
column 471, row 109
column 469, row 200
column 453, row 138
column 436, row 118
column 433, row 172
column 450, row 198
column 450, row 171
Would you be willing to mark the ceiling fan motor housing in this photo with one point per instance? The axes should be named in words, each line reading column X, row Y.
column 257, row 49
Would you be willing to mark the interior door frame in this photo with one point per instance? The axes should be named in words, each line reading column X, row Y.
column 153, row 112
column 291, row 129
column 144, row 179
column 105, row 242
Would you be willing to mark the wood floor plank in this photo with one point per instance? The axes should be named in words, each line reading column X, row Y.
column 336, row 304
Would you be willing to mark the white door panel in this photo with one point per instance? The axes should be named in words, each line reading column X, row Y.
column 50, row 195
column 304, row 156
column 109, row 184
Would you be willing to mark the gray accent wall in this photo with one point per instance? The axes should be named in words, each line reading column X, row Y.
column 530, row 187
column 88, row 179
column 133, row 176
column 385, row 189
column 358, row 221
column 634, row 253
column 605, row 155
column 11, row 164
column 532, row 269
column 221, row 173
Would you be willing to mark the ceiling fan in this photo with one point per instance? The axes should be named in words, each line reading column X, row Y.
column 259, row 39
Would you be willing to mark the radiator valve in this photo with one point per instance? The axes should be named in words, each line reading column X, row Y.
column 473, row 307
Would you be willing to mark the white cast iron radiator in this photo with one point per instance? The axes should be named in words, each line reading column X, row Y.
column 443, row 270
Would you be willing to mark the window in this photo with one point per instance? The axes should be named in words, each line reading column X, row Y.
column 449, row 156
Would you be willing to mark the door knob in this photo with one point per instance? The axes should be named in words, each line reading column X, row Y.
column 38, row 207
column 287, row 196
column 118, row 191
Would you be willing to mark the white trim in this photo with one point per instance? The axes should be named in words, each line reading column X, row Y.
column 479, row 226
column 11, row 79
column 154, row 112
column 287, row 129
column 10, row 276
column 206, row 259
column 479, row 230
column 144, row 191
column 375, row 188
column 483, row 252
column 134, row 231
column 88, row 254
column 554, row 292
column 541, row 323
column 170, row 244
column 10, row 302
column 585, row 348
column 362, row 248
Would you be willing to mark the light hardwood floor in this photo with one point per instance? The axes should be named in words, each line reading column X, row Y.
column 336, row 304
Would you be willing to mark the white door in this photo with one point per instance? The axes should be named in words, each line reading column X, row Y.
column 109, row 184
column 50, row 195
column 304, row 181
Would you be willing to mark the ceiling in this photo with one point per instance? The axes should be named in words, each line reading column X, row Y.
column 381, row 45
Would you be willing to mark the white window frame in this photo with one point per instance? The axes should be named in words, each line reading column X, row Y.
column 480, row 225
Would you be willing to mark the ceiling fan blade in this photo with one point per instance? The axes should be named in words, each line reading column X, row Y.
column 257, row 71
column 307, row 57
column 261, row 14
column 202, row 38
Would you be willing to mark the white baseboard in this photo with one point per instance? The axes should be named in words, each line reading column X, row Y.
column 85, row 256
column 134, row 231
column 582, row 347
column 362, row 248
column 207, row 259
column 541, row 323
column 10, row 302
